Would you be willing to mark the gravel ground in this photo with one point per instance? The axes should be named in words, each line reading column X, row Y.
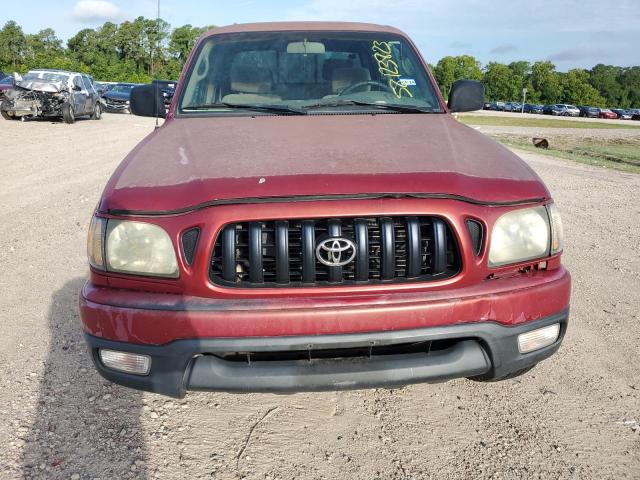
column 575, row 416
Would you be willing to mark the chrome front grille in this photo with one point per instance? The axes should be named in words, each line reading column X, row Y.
column 283, row 253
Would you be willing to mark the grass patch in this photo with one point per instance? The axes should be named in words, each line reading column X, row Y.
column 524, row 121
column 617, row 154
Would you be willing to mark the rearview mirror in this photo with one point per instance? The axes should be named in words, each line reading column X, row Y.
column 305, row 47
column 147, row 101
column 466, row 96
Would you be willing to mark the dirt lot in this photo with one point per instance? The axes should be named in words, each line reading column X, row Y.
column 575, row 416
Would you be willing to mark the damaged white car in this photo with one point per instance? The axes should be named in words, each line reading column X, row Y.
column 53, row 94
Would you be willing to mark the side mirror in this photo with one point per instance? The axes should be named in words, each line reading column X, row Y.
column 466, row 96
column 147, row 101
column 77, row 88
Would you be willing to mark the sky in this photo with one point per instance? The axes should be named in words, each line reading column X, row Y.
column 571, row 33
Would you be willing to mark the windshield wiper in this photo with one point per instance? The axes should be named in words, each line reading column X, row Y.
column 260, row 107
column 397, row 107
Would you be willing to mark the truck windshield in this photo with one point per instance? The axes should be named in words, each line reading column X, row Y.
column 301, row 71
column 122, row 88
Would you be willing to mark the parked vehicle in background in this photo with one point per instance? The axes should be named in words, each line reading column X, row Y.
column 117, row 97
column 571, row 110
column 589, row 112
column 261, row 240
column 497, row 106
column 562, row 109
column 533, row 108
column 552, row 110
column 635, row 113
column 5, row 84
column 608, row 114
column 168, row 89
column 512, row 107
column 51, row 93
column 486, row 106
column 622, row 114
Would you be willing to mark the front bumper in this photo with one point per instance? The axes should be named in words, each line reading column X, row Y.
column 183, row 335
column 23, row 108
column 116, row 107
column 484, row 349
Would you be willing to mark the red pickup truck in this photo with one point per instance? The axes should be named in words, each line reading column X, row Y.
column 310, row 216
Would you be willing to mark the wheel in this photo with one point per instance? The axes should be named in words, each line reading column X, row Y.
column 97, row 112
column 488, row 379
column 68, row 115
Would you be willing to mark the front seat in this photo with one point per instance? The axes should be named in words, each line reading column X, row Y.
column 251, row 85
column 345, row 77
column 329, row 66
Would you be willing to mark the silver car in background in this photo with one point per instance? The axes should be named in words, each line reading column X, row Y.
column 51, row 93
column 570, row 110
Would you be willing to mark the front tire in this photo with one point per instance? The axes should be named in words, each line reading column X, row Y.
column 97, row 112
column 68, row 115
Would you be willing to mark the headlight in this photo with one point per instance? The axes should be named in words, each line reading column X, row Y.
column 139, row 248
column 557, row 234
column 519, row 236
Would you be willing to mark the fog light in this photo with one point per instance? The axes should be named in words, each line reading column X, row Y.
column 537, row 339
column 126, row 362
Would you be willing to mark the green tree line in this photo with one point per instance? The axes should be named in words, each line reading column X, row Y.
column 601, row 86
column 143, row 49
column 133, row 51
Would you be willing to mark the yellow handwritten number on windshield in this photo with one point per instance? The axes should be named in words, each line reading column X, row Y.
column 388, row 68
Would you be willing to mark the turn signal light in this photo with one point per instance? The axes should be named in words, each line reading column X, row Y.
column 126, row 362
column 537, row 339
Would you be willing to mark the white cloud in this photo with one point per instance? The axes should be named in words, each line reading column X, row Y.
column 380, row 11
column 95, row 11
column 504, row 48
column 573, row 32
column 450, row 16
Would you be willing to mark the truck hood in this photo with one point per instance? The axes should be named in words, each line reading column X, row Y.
column 193, row 162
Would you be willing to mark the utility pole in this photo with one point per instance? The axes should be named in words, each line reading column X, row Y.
column 524, row 97
column 158, row 47
column 157, row 38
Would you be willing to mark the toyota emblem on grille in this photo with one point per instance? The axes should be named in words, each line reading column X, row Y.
column 336, row 251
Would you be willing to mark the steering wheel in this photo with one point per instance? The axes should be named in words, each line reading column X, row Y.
column 385, row 86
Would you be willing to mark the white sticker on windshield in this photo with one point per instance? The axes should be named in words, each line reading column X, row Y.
column 407, row 82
